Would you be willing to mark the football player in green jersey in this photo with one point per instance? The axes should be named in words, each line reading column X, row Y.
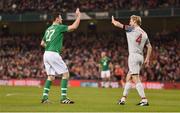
column 54, row 65
column 105, row 66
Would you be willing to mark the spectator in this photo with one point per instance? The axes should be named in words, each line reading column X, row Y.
column 21, row 6
column 21, row 56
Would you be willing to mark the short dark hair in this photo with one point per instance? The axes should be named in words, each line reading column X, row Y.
column 55, row 15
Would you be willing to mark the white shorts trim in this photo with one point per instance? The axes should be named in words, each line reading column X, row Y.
column 54, row 65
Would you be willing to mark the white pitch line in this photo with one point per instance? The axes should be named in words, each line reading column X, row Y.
column 90, row 112
column 12, row 94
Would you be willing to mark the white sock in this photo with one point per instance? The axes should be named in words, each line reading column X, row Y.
column 140, row 89
column 106, row 84
column 144, row 100
column 126, row 89
column 102, row 84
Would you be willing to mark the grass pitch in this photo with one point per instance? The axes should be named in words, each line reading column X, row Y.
column 27, row 99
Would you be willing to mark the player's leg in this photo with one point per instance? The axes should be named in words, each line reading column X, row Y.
column 135, row 77
column 61, row 68
column 103, row 79
column 140, row 90
column 47, row 87
column 64, row 84
column 51, row 76
column 127, row 87
column 108, row 78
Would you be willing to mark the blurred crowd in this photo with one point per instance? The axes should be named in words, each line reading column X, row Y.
column 22, row 57
column 20, row 6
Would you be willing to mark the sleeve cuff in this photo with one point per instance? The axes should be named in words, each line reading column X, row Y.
column 124, row 27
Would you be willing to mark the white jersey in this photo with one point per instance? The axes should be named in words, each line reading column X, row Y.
column 137, row 38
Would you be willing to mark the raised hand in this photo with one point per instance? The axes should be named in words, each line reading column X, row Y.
column 112, row 19
column 78, row 12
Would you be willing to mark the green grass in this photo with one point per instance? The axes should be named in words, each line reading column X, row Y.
column 87, row 100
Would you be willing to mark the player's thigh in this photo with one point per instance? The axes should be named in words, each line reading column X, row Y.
column 47, row 66
column 49, row 69
column 128, row 78
column 136, row 78
column 59, row 65
column 103, row 74
column 134, row 64
column 108, row 74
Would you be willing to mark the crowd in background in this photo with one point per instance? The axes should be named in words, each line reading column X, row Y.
column 20, row 6
column 22, row 57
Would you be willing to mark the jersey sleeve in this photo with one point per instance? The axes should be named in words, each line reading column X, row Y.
column 127, row 28
column 147, row 41
column 63, row 28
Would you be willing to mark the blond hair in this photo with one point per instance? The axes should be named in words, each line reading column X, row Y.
column 137, row 19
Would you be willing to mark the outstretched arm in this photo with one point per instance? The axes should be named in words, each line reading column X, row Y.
column 76, row 22
column 149, row 50
column 116, row 23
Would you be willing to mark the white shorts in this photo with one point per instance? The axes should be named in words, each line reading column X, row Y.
column 105, row 74
column 135, row 62
column 54, row 64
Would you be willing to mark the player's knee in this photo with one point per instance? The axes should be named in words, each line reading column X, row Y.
column 65, row 75
column 128, row 78
column 136, row 79
column 51, row 78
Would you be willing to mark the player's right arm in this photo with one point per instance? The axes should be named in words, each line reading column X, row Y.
column 76, row 22
column 120, row 25
column 117, row 23
column 43, row 44
column 100, row 67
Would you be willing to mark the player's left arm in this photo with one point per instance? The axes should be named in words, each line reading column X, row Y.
column 149, row 51
column 43, row 44
column 110, row 64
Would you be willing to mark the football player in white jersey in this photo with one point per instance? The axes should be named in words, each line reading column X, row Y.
column 137, row 40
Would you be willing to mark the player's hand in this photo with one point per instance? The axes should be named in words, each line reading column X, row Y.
column 113, row 20
column 146, row 62
column 77, row 12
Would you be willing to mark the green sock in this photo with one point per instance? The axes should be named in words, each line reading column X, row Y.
column 64, row 83
column 46, row 89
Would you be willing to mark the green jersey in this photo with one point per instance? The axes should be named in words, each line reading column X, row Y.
column 53, row 37
column 104, row 62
